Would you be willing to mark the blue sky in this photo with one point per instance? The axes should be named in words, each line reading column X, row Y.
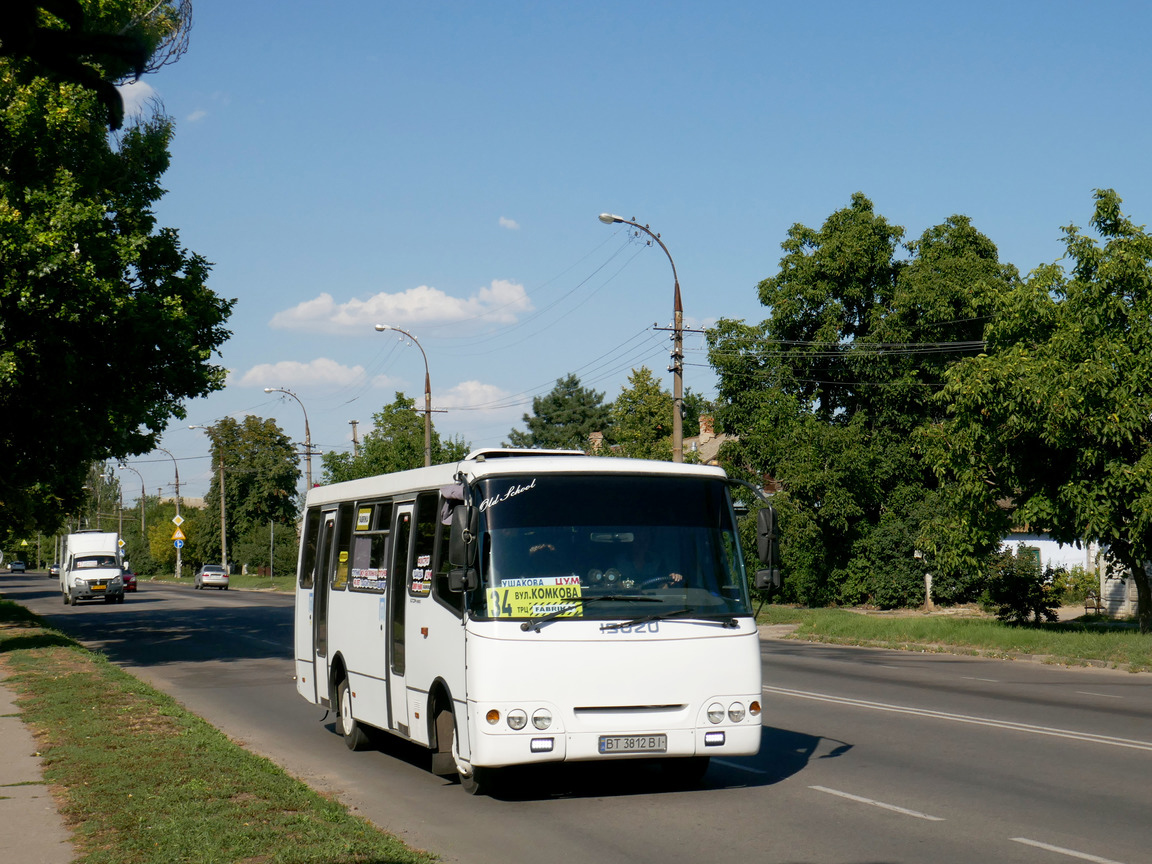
column 440, row 167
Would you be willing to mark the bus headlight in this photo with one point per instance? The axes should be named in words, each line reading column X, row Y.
column 754, row 708
column 493, row 716
column 735, row 712
column 541, row 718
column 517, row 719
column 715, row 713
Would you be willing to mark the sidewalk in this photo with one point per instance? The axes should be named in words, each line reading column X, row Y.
column 31, row 830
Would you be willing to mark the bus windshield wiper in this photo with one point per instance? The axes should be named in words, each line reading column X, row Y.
column 534, row 623
column 664, row 616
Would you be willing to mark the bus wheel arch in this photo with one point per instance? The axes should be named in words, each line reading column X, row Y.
column 441, row 729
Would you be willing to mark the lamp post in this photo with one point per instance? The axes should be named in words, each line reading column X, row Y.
column 177, row 467
column 123, row 467
column 219, row 455
column 427, row 392
column 307, row 434
column 677, row 367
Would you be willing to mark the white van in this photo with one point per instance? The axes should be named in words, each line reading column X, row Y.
column 91, row 568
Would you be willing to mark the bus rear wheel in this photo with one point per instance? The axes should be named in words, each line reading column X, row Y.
column 354, row 736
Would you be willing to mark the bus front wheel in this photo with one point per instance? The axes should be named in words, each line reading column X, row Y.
column 474, row 780
column 354, row 736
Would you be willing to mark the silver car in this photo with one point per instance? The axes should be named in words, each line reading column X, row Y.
column 211, row 576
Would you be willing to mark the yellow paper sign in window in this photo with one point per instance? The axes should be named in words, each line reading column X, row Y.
column 531, row 598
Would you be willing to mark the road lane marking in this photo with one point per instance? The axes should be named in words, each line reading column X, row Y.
column 1060, row 850
column 989, row 680
column 874, row 803
column 965, row 718
column 1101, row 695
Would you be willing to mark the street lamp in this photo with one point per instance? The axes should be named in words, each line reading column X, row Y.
column 307, row 433
column 427, row 392
column 209, row 430
column 677, row 367
column 177, row 467
column 124, row 467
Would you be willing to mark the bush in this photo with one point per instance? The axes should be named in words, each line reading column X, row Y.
column 1071, row 587
column 1017, row 591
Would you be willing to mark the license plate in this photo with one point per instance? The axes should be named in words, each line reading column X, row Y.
column 633, row 743
column 97, row 587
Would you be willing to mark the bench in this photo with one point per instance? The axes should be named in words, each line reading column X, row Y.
column 1092, row 604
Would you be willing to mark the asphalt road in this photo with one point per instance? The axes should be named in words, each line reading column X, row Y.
column 867, row 756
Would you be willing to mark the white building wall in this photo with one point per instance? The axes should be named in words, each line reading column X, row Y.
column 1053, row 554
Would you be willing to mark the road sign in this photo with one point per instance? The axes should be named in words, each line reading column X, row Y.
column 178, row 535
column 179, row 544
column 177, row 520
column 120, row 543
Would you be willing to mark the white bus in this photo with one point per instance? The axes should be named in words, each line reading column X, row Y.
column 533, row 606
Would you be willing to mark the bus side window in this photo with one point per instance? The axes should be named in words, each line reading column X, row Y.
column 344, row 524
column 427, row 517
column 308, row 562
column 454, row 600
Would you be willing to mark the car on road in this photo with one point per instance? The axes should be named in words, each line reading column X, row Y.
column 211, row 576
column 54, row 570
column 17, row 567
column 129, row 579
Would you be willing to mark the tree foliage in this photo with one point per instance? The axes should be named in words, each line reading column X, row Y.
column 825, row 394
column 640, row 419
column 106, row 321
column 1055, row 416
column 396, row 443
column 261, row 471
column 276, row 542
column 564, row 418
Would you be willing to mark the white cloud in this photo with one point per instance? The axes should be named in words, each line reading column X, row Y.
column 501, row 302
column 293, row 373
column 510, row 224
column 472, row 394
column 135, row 95
column 198, row 114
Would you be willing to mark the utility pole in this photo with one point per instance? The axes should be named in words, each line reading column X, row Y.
column 355, row 442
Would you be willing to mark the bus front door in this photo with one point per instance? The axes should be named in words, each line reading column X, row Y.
column 398, row 609
column 320, row 606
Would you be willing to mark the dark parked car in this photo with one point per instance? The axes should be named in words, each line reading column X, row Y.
column 18, row 567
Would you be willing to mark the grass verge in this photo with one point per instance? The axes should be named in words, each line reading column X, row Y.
column 145, row 782
column 1081, row 642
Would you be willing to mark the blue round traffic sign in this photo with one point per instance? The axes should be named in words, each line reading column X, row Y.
column 179, row 544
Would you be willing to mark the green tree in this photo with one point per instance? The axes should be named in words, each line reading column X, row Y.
column 396, row 443
column 281, row 540
column 641, row 418
column 825, row 394
column 106, row 322
column 564, row 419
column 261, row 472
column 1054, row 417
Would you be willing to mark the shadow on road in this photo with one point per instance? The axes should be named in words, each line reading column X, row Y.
column 783, row 753
column 259, row 626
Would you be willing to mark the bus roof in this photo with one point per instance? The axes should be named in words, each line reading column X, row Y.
column 494, row 463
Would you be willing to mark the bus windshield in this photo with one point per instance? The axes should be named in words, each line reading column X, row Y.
column 608, row 546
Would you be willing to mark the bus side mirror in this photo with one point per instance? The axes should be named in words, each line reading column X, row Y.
column 767, row 550
column 462, row 544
